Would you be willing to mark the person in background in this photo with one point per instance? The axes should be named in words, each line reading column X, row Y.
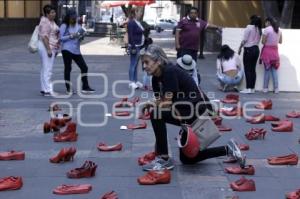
column 71, row 34
column 229, row 72
column 187, row 63
column 135, row 42
column 48, row 47
column 252, row 35
column 271, row 37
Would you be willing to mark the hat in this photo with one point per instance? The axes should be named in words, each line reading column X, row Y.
column 186, row 62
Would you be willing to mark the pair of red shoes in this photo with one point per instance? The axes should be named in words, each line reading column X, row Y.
column 72, row 189
column 87, row 170
column 291, row 159
column 127, row 103
column 256, row 133
column 12, row 155
column 64, row 155
column 282, row 126
column 69, row 135
column 56, row 123
column 264, row 104
column 236, row 111
column 142, row 125
column 231, row 99
column 104, row 147
column 247, row 170
column 262, row 118
column 155, row 177
column 243, row 184
column 293, row 195
column 293, row 114
column 11, row 183
column 110, row 195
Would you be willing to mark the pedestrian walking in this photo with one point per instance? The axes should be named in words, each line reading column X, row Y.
column 48, row 46
column 135, row 42
column 71, row 34
column 229, row 71
column 250, row 42
column 187, row 36
column 271, row 37
column 172, row 85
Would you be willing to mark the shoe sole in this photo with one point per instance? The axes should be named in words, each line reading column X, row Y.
column 169, row 168
column 88, row 92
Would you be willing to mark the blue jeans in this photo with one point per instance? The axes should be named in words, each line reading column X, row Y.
column 134, row 58
column 231, row 81
column 147, row 79
column 273, row 71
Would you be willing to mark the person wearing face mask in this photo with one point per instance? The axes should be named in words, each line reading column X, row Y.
column 187, row 35
column 48, row 46
column 71, row 34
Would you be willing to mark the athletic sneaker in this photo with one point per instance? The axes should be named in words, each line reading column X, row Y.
column 133, row 85
column 139, row 84
column 235, row 152
column 246, row 91
column 88, row 91
column 159, row 164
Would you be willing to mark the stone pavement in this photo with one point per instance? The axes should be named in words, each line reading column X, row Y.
column 23, row 112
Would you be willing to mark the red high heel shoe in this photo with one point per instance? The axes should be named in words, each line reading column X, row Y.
column 104, row 147
column 265, row 104
column 64, row 155
column 87, row 170
column 69, row 135
column 282, row 126
column 256, row 133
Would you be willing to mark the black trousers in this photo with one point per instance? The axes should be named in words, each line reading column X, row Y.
column 250, row 58
column 160, row 131
column 68, row 57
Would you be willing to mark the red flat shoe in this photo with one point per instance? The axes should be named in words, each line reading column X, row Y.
column 87, row 170
column 147, row 158
column 155, row 177
column 247, row 170
column 287, row 160
column 257, row 119
column 282, row 126
column 122, row 113
column 231, row 99
column 11, row 183
column 145, row 116
column 72, row 189
column 236, row 111
column 110, row 195
column 104, row 147
column 243, row 185
column 12, row 155
column 217, row 120
column 271, row 118
column 244, row 147
column 143, row 125
column 293, row 114
column 224, row 128
column 265, row 104
column 293, row 195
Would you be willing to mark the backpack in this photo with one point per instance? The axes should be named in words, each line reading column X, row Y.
column 33, row 43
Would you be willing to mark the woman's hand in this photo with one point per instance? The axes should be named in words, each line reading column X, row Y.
column 49, row 52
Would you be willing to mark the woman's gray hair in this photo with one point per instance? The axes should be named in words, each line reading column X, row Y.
column 155, row 53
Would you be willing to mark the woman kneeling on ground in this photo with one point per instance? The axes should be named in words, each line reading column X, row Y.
column 175, row 89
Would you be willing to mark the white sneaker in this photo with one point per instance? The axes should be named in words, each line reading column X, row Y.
column 133, row 85
column 246, row 91
column 252, row 90
column 139, row 84
column 276, row 90
column 265, row 90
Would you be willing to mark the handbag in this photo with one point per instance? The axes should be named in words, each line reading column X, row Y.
column 33, row 43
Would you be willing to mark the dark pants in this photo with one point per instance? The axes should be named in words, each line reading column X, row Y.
column 250, row 58
column 160, row 131
column 68, row 57
column 193, row 54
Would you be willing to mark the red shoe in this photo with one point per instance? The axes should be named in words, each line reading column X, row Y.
column 110, row 195
column 248, row 170
column 293, row 195
column 145, row 116
column 244, row 147
column 104, row 147
column 284, row 160
column 64, row 155
column 143, row 125
column 282, row 126
column 224, row 128
column 256, row 133
column 52, row 126
column 71, row 137
column 257, row 119
column 147, row 158
column 236, row 111
column 155, row 177
column 271, row 118
column 243, row 185
column 122, row 113
column 87, row 170
column 72, row 189
column 11, row 183
column 265, row 104
column 134, row 100
column 293, row 114
column 12, row 155
column 217, row 120
column 231, row 99
column 123, row 103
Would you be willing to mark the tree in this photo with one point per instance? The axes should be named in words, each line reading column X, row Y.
column 285, row 15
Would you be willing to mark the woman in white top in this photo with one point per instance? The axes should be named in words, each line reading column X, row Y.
column 252, row 35
column 229, row 72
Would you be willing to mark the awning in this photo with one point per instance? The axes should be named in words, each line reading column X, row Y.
column 110, row 4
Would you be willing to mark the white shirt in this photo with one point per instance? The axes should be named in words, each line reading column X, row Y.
column 230, row 64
